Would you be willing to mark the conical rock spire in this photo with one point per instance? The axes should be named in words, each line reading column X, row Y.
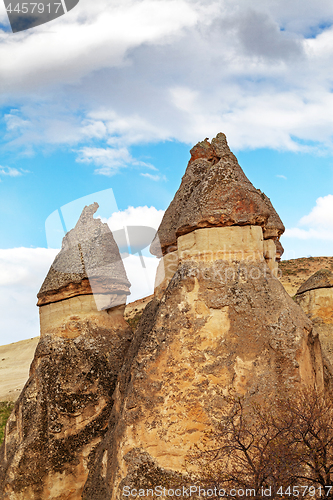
column 214, row 192
column 89, row 262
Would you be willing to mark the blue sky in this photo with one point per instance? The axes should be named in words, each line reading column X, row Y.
column 113, row 95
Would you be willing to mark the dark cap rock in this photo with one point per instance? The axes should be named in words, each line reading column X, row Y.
column 320, row 279
column 214, row 192
column 89, row 262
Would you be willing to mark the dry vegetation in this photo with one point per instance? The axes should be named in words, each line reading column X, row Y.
column 5, row 410
column 279, row 445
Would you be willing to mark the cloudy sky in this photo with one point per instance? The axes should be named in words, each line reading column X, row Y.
column 112, row 96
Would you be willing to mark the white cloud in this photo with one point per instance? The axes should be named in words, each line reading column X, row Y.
column 155, row 178
column 148, row 71
column 10, row 171
column 92, row 36
column 110, row 160
column 22, row 272
column 142, row 278
column 321, row 215
column 318, row 224
column 281, row 176
column 135, row 216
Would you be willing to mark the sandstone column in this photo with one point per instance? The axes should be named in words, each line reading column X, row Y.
column 220, row 322
column 63, row 410
column 315, row 297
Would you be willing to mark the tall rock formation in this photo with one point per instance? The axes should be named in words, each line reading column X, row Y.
column 215, row 193
column 315, row 297
column 63, row 410
column 220, row 321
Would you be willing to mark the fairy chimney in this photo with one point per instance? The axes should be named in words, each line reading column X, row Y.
column 223, row 323
column 315, row 296
column 215, row 193
column 63, row 410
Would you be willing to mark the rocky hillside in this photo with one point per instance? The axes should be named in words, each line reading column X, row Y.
column 296, row 271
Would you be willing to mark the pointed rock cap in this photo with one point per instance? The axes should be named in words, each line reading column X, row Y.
column 274, row 226
column 279, row 250
column 88, row 262
column 214, row 192
column 320, row 279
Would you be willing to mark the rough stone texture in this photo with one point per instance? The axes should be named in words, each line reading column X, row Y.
column 97, row 486
column 315, row 297
column 214, row 192
column 320, row 279
column 64, row 408
column 89, row 262
column 219, row 326
column 274, row 226
column 279, row 250
column 233, row 244
column 165, row 271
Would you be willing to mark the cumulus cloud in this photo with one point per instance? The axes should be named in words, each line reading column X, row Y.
column 134, row 230
column 109, row 160
column 22, row 271
column 147, row 71
column 135, row 216
column 318, row 224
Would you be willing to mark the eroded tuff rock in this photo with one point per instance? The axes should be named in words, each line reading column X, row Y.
column 223, row 323
column 89, row 262
column 315, row 297
column 64, row 408
column 214, row 192
column 215, row 329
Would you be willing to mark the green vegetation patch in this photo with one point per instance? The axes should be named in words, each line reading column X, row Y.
column 5, row 410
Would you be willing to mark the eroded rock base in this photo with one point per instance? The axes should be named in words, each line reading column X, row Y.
column 220, row 326
column 64, row 408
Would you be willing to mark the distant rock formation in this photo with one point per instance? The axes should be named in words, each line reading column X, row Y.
column 315, row 297
column 63, row 410
column 220, row 321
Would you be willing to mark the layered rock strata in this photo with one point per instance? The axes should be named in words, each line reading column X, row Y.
column 224, row 323
column 315, row 297
column 63, row 410
column 215, row 192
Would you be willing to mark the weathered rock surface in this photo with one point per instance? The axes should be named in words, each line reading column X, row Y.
column 221, row 322
column 320, row 279
column 315, row 297
column 63, row 410
column 89, row 263
column 218, row 326
column 294, row 272
column 214, row 192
